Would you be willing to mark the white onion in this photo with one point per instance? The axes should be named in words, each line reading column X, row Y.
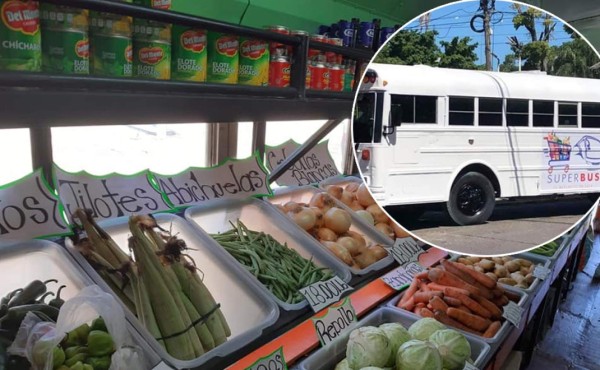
column 368, row 217
column 358, row 237
column 347, row 198
column 337, row 220
column 352, row 187
column 378, row 214
column 322, row 200
column 303, row 217
column 399, row 231
column 319, row 215
column 365, row 259
column 355, row 206
column 326, row 234
column 340, row 252
column 378, row 251
column 350, row 244
column 291, row 206
column 335, row 191
column 386, row 229
column 363, row 196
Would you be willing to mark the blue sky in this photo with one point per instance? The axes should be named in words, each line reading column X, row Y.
column 454, row 20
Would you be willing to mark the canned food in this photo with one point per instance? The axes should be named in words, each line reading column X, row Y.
column 151, row 50
column 295, row 33
column 346, row 32
column 331, row 57
column 385, row 33
column 336, row 77
column 111, row 44
column 277, row 48
column 223, row 58
column 365, row 34
column 315, row 55
column 348, row 81
column 308, row 77
column 279, row 72
column 189, row 54
column 254, row 62
column 21, row 46
column 65, row 42
column 156, row 4
column 334, row 31
column 319, row 76
column 324, row 30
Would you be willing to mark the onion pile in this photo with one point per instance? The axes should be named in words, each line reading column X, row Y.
column 331, row 226
column 357, row 197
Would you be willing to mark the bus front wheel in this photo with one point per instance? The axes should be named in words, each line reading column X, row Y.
column 472, row 199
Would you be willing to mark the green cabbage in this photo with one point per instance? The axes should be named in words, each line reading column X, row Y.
column 418, row 355
column 397, row 336
column 368, row 346
column 453, row 347
column 343, row 365
column 423, row 328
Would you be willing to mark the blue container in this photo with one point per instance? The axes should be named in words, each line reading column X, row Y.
column 324, row 30
column 346, row 32
column 334, row 31
column 365, row 34
column 385, row 33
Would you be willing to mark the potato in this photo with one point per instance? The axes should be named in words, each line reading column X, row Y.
column 507, row 281
column 512, row 266
column 522, row 285
column 498, row 260
column 524, row 270
column 492, row 275
column 516, row 276
column 529, row 279
column 479, row 269
column 500, row 271
column 531, row 268
column 507, row 259
column 474, row 259
column 523, row 262
column 487, row 264
column 464, row 261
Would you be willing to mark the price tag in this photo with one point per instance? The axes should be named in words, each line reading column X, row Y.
column 323, row 293
column 513, row 313
column 162, row 366
column 470, row 366
column 337, row 321
column 402, row 276
column 541, row 272
column 405, row 250
column 274, row 361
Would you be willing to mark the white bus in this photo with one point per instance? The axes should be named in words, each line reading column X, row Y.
column 466, row 138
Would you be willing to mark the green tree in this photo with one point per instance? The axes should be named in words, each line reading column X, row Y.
column 459, row 53
column 410, row 48
column 509, row 63
column 537, row 52
column 574, row 59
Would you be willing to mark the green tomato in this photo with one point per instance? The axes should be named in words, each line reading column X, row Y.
column 77, row 366
column 75, row 359
column 100, row 343
column 99, row 324
column 99, row 363
column 58, row 357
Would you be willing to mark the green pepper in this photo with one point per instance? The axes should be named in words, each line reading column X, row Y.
column 78, row 358
column 99, row 324
column 100, row 343
column 75, row 350
column 88, row 367
column 77, row 336
column 58, row 357
column 77, row 366
column 99, row 363
column 57, row 302
column 62, row 367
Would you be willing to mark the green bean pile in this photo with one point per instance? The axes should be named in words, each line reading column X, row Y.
column 281, row 269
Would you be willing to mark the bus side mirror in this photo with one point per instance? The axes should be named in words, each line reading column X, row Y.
column 396, row 115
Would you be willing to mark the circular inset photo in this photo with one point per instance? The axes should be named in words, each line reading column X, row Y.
column 477, row 127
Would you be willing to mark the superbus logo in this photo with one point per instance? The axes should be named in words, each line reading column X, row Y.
column 227, row 45
column 253, row 49
column 129, row 53
column 193, row 40
column 82, row 48
column 151, row 55
column 21, row 16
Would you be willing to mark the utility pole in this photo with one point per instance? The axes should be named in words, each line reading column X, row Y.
column 487, row 15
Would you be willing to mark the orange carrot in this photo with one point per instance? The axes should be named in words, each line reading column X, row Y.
column 464, row 308
column 417, row 310
column 448, row 266
column 480, row 277
column 425, row 296
column 408, row 305
column 455, row 292
column 500, row 301
column 425, row 313
column 474, row 322
column 492, row 330
column 424, row 287
column 472, row 305
column 454, row 302
column 512, row 296
column 498, row 291
column 438, row 304
column 442, row 317
column 490, row 306
column 421, row 275
column 446, row 278
column 409, row 292
column 420, row 305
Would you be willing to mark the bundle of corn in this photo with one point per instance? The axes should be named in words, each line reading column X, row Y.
column 161, row 285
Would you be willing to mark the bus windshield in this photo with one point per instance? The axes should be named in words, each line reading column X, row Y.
column 364, row 118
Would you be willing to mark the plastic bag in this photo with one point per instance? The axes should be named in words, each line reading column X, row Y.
column 90, row 303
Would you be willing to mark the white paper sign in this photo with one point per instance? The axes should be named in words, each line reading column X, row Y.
column 314, row 167
column 29, row 209
column 402, row 276
column 162, row 366
column 323, row 293
column 541, row 272
column 513, row 313
column 108, row 196
column 405, row 250
column 274, row 361
column 470, row 366
column 235, row 179
column 336, row 321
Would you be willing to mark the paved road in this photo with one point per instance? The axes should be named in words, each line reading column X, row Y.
column 513, row 227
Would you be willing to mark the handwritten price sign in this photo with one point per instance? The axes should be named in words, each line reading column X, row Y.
column 338, row 320
column 274, row 361
column 323, row 293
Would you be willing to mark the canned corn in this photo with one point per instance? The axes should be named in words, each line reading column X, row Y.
column 151, row 50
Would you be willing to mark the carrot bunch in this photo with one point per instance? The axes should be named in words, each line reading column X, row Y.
column 459, row 297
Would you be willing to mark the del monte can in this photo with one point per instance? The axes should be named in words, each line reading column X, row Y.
column 156, row 4
column 223, row 58
column 254, row 62
column 20, row 37
column 189, row 54
column 151, row 50
column 65, row 42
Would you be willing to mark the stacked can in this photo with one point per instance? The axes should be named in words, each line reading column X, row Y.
column 188, row 62
column 315, row 55
column 346, row 33
column 223, row 58
column 254, row 62
column 331, row 57
column 111, row 44
column 65, row 42
column 349, row 71
column 151, row 49
column 278, row 49
column 366, row 34
column 21, row 46
column 385, row 33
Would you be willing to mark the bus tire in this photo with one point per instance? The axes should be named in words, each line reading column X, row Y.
column 472, row 199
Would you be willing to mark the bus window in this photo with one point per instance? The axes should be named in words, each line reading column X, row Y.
column 543, row 113
column 490, row 112
column 567, row 114
column 590, row 115
column 462, row 111
column 417, row 109
column 364, row 118
column 517, row 112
